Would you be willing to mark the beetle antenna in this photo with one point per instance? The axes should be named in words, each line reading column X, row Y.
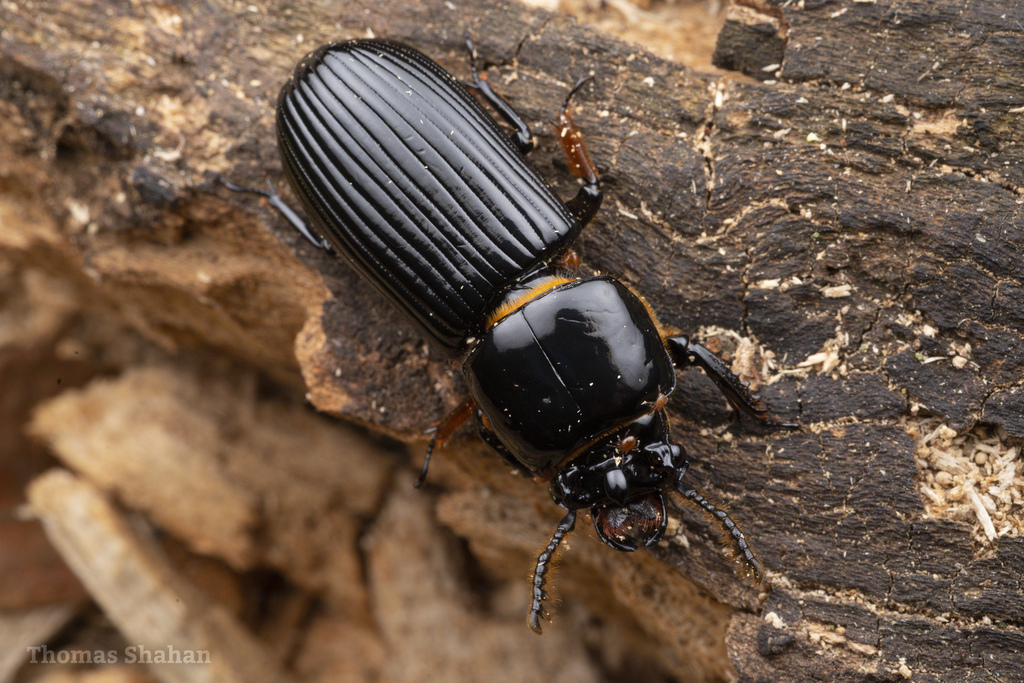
column 752, row 566
column 537, row 609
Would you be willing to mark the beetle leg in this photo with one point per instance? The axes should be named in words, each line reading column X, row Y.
column 753, row 566
column 443, row 431
column 735, row 389
column 287, row 212
column 522, row 138
column 537, row 609
column 588, row 200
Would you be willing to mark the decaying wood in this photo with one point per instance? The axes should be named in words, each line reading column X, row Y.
column 249, row 481
column 184, row 636
column 22, row 632
column 846, row 228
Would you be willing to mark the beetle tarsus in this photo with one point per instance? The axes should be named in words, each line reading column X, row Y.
column 443, row 431
column 735, row 390
column 540, row 596
column 281, row 206
column 522, row 138
column 426, row 462
column 580, row 82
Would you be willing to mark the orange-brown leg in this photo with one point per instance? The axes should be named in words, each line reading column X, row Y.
column 445, row 430
column 588, row 200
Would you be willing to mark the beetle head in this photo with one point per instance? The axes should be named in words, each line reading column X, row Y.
column 621, row 479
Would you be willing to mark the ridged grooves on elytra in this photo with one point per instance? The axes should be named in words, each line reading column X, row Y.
column 404, row 168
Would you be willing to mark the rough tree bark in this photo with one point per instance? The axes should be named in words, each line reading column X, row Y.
column 845, row 227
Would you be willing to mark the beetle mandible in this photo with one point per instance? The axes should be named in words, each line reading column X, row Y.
column 405, row 174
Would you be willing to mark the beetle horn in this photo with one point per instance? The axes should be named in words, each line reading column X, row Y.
column 537, row 609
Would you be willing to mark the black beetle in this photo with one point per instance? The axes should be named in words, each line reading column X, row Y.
column 405, row 174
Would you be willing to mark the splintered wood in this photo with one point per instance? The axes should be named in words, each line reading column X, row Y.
column 192, row 638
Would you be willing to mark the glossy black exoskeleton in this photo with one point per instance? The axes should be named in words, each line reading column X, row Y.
column 406, row 175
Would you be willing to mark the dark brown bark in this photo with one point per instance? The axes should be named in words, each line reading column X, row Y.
column 855, row 210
